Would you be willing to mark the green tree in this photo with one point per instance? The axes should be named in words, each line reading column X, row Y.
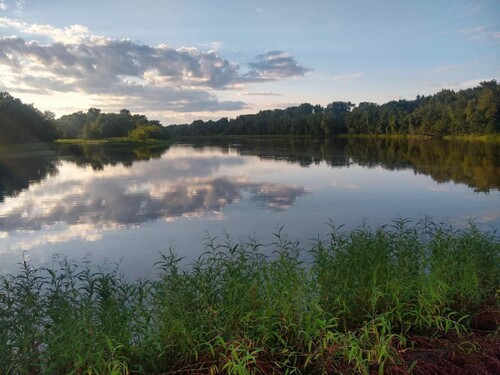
column 21, row 122
column 146, row 132
column 71, row 126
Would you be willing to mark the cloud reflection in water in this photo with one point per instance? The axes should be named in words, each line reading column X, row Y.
column 120, row 196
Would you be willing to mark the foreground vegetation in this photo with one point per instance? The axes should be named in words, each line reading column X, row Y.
column 399, row 298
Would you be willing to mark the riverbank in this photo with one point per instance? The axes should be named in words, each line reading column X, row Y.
column 123, row 141
column 399, row 298
column 492, row 138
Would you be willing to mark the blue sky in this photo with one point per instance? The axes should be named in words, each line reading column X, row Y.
column 182, row 60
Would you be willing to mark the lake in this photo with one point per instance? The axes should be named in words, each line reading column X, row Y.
column 126, row 205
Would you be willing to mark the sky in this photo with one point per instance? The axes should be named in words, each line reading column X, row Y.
column 178, row 61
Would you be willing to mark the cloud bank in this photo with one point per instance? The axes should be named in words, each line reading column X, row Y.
column 144, row 77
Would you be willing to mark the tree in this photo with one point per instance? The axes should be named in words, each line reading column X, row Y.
column 148, row 132
column 71, row 126
column 21, row 122
column 334, row 118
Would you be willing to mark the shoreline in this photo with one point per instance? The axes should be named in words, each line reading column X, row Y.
column 113, row 141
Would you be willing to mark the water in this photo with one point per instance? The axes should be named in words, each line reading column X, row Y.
column 127, row 205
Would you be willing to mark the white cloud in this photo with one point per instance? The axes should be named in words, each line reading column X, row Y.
column 72, row 34
column 142, row 77
column 481, row 33
column 216, row 45
column 452, row 85
column 444, row 69
column 17, row 5
column 275, row 65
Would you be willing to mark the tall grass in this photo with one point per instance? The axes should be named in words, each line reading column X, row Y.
column 347, row 304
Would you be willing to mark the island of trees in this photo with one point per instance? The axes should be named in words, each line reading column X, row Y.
column 474, row 111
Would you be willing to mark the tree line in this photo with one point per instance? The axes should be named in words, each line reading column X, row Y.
column 22, row 123
column 471, row 111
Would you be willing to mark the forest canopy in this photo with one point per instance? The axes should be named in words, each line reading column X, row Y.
column 473, row 111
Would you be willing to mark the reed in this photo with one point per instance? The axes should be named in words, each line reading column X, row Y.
column 351, row 303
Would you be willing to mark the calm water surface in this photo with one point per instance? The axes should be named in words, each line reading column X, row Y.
column 128, row 205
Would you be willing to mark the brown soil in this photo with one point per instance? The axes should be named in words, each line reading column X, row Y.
column 477, row 353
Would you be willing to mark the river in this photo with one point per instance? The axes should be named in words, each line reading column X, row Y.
column 126, row 205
